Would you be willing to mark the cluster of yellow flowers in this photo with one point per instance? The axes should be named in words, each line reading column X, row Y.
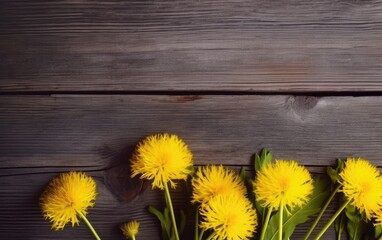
column 221, row 197
column 224, row 205
column 361, row 184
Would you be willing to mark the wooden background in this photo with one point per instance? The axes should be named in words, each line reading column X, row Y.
column 81, row 82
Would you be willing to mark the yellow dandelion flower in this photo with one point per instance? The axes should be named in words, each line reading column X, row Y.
column 362, row 185
column 378, row 217
column 214, row 180
column 162, row 158
column 67, row 196
column 231, row 217
column 283, row 183
column 130, row 229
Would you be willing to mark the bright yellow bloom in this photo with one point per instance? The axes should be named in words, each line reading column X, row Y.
column 378, row 217
column 231, row 217
column 162, row 158
column 66, row 196
column 130, row 229
column 283, row 183
column 362, row 185
column 214, row 180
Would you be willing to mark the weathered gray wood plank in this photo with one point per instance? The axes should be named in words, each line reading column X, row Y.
column 41, row 136
column 88, row 130
column 21, row 218
column 261, row 46
column 20, row 210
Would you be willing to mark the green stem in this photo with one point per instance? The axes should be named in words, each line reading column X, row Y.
column 167, row 192
column 197, row 223
column 322, row 212
column 133, row 237
column 265, row 225
column 211, row 236
column 331, row 220
column 89, row 225
column 281, row 221
column 201, row 234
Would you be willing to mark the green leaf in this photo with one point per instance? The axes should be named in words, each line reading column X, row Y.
column 273, row 226
column 341, row 220
column 334, row 173
column 339, row 225
column 164, row 221
column 320, row 194
column 378, row 232
column 243, row 174
column 265, row 157
column 173, row 237
column 249, row 186
column 192, row 171
column 355, row 225
column 164, row 218
column 159, row 215
column 262, row 211
column 166, row 214
column 182, row 222
column 251, row 195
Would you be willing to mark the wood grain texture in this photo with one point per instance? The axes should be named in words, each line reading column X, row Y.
column 95, row 50
column 21, row 218
column 86, row 130
column 20, row 210
column 259, row 46
column 41, row 136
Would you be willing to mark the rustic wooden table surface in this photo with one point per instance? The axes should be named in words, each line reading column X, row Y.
column 81, row 82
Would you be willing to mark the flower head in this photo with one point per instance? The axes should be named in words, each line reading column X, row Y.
column 362, row 185
column 378, row 217
column 231, row 217
column 162, row 158
column 283, row 183
column 214, row 180
column 66, row 196
column 130, row 229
